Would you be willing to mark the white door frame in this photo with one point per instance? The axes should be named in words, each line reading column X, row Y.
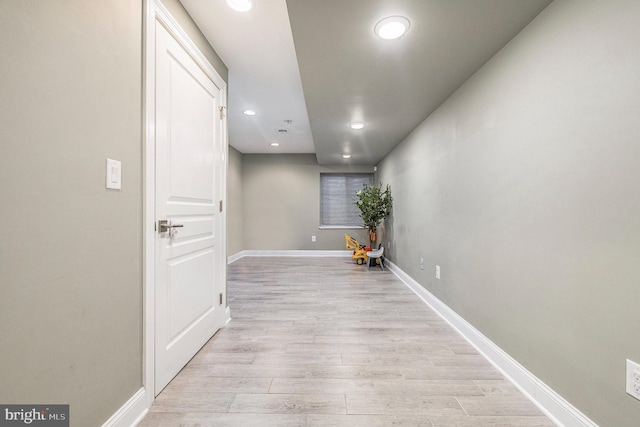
column 154, row 11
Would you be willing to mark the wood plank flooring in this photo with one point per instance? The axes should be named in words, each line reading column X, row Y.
column 327, row 343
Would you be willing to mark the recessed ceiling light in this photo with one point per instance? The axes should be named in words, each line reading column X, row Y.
column 275, row 144
column 392, row 27
column 357, row 125
column 249, row 113
column 240, row 5
column 346, row 156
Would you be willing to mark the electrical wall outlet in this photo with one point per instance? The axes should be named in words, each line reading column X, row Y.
column 421, row 263
column 437, row 272
column 633, row 379
column 313, row 238
column 389, row 244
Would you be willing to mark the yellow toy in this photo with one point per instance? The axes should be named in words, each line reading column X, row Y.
column 359, row 251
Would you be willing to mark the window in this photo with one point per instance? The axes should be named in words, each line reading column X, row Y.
column 337, row 192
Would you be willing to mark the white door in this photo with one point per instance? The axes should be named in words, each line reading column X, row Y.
column 189, row 163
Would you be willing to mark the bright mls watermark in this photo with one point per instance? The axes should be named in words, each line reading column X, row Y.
column 34, row 415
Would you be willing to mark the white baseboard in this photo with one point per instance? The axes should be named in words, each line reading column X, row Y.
column 131, row 413
column 288, row 253
column 551, row 403
column 235, row 257
column 135, row 409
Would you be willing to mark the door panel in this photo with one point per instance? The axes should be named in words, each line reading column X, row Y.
column 192, row 153
column 188, row 142
column 189, row 293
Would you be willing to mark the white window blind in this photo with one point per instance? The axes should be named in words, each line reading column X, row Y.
column 337, row 192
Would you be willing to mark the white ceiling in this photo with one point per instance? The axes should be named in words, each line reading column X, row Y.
column 346, row 71
column 257, row 47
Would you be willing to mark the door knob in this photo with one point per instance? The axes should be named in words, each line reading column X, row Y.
column 164, row 225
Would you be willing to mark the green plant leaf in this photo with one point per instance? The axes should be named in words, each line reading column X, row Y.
column 374, row 204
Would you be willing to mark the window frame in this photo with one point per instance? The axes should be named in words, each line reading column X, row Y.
column 370, row 179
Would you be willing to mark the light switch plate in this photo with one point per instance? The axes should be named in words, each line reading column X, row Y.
column 114, row 174
column 633, row 379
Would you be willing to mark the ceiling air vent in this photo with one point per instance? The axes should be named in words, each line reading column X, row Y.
column 286, row 130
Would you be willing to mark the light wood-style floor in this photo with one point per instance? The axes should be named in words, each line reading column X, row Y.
column 323, row 342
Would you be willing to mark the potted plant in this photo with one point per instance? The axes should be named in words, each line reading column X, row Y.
column 374, row 205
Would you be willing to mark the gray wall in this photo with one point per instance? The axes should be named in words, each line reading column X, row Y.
column 523, row 187
column 70, row 263
column 71, row 251
column 235, row 233
column 281, row 203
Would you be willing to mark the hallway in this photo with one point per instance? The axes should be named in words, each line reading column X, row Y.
column 324, row 342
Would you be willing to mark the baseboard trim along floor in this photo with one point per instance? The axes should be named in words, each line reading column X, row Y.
column 546, row 399
column 288, row 253
column 131, row 413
